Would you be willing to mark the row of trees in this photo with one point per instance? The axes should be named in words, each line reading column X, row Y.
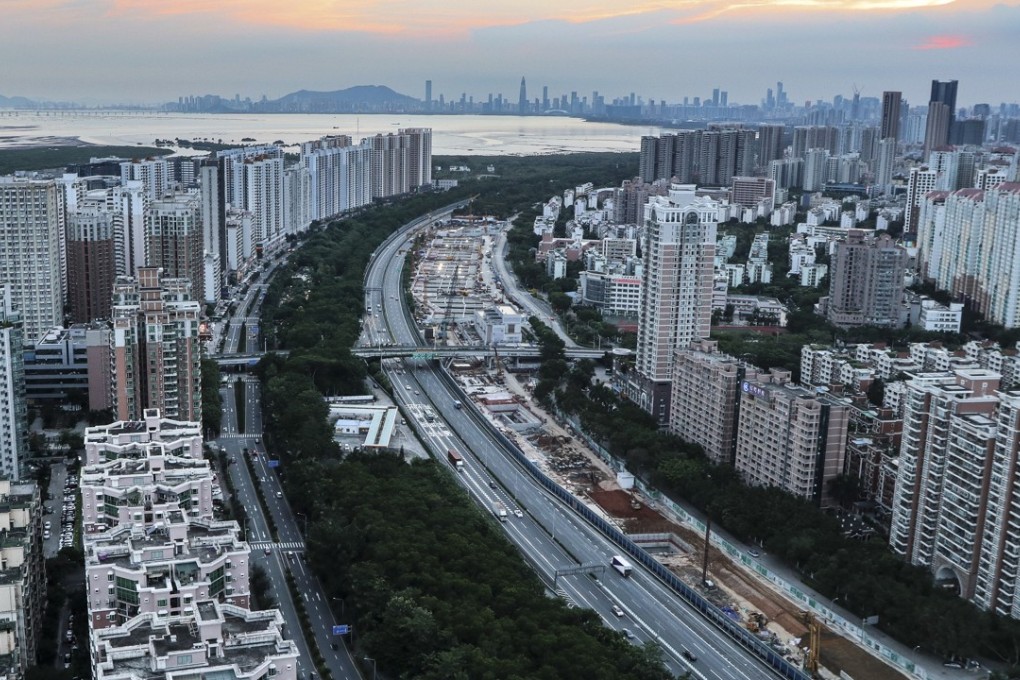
column 434, row 589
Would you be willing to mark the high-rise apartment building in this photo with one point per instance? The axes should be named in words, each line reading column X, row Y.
column 32, row 223
column 22, row 577
column 155, row 174
column 770, row 143
column 390, row 165
column 890, row 127
column 13, row 407
column 705, row 398
column 886, row 163
column 955, row 495
column 154, row 347
column 129, row 204
column 420, row 157
column 91, row 261
column 214, row 209
column 969, row 246
column 173, row 239
column 807, row 137
column 866, row 281
column 790, row 437
column 677, row 278
column 253, row 180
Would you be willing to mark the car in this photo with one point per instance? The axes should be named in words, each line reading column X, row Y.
column 518, row 513
column 688, row 655
column 46, row 524
column 416, row 393
column 68, row 634
column 279, row 494
column 268, row 551
column 627, row 634
column 617, row 610
column 46, row 535
column 492, row 485
column 407, row 387
column 754, row 553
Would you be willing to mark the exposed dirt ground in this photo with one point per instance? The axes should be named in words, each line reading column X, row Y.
column 742, row 592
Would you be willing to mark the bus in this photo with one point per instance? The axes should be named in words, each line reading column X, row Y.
column 621, row 565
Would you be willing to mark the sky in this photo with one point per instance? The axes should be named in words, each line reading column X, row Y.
column 151, row 51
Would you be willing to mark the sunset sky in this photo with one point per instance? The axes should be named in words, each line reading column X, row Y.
column 148, row 51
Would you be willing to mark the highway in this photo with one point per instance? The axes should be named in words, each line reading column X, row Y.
column 549, row 535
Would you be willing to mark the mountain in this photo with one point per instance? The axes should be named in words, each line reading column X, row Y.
column 17, row 103
column 358, row 98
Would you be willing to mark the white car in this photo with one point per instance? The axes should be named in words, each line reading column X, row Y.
column 617, row 610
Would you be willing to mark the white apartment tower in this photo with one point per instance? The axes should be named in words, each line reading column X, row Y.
column 677, row 278
column 13, row 407
column 32, row 222
column 155, row 175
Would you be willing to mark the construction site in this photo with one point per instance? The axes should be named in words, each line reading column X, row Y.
column 451, row 284
column 741, row 595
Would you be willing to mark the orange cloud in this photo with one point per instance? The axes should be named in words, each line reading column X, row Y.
column 943, row 42
column 443, row 18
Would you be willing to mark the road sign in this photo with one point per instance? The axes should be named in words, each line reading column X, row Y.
column 427, row 356
column 342, row 630
column 273, row 463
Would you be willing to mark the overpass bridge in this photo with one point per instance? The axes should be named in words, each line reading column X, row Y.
column 424, row 352
column 242, row 360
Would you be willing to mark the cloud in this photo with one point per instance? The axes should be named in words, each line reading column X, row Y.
column 943, row 42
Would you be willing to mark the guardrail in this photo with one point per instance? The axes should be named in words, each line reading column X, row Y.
column 715, row 615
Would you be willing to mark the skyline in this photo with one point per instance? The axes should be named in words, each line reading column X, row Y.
column 101, row 51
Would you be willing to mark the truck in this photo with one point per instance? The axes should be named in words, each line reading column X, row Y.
column 621, row 565
column 456, row 460
column 499, row 510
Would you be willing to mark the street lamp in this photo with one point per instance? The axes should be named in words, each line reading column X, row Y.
column 368, row 658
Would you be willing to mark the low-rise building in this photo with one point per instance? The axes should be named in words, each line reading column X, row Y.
column 499, row 325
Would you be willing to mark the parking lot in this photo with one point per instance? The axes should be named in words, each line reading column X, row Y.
column 59, row 512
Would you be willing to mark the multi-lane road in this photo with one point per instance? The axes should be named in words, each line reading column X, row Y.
column 284, row 554
column 550, row 536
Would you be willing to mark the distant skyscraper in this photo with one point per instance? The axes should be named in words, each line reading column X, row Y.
column 890, row 115
column 770, row 144
column 428, row 95
column 522, row 101
column 941, row 115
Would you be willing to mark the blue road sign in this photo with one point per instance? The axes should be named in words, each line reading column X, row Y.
column 342, row 630
column 274, row 463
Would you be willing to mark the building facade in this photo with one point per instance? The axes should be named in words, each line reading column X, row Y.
column 155, row 354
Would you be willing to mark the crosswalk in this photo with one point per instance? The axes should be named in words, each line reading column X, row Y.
column 235, row 435
column 262, row 545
